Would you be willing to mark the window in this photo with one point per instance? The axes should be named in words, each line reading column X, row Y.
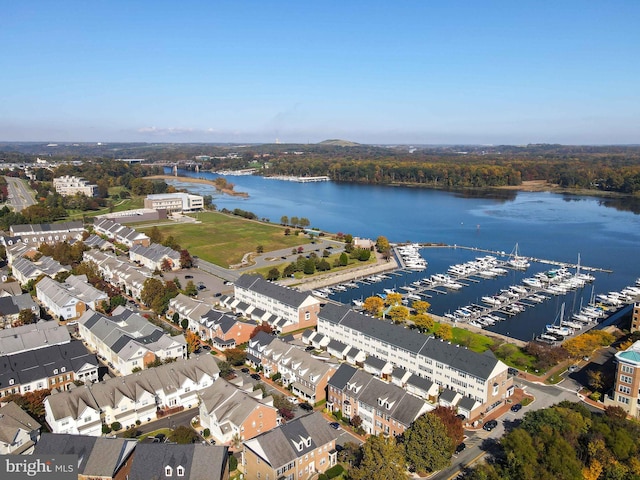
column 627, row 369
column 626, row 379
column 168, row 471
column 307, row 315
column 622, row 399
column 624, row 389
column 180, row 471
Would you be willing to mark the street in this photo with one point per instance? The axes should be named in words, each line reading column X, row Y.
column 19, row 196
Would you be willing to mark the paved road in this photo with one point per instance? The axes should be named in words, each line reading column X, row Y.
column 19, row 195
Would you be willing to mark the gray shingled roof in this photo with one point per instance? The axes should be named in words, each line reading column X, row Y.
column 12, row 419
column 342, row 376
column 29, row 337
column 285, row 295
column 201, row 462
column 277, row 447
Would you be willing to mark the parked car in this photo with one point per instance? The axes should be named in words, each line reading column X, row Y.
column 188, row 277
column 245, row 370
column 490, row 425
column 306, row 406
column 516, row 407
column 256, row 376
column 206, row 347
column 335, row 425
column 512, row 371
column 460, row 447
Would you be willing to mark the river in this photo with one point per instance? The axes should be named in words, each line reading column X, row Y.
column 544, row 225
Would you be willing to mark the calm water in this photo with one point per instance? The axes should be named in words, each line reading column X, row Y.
column 545, row 225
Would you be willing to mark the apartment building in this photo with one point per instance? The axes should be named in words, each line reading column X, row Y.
column 626, row 388
column 175, row 202
column 67, row 186
column 298, row 449
column 45, row 233
column 290, row 309
column 479, row 377
column 635, row 318
column 24, row 270
column 184, row 462
column 155, row 257
column 118, row 233
column 32, row 336
column 69, row 299
column 119, row 271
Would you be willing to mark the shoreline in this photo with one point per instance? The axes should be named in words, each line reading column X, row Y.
column 204, row 181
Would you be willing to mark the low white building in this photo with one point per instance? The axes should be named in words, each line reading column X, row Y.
column 175, row 202
column 67, row 186
column 155, row 257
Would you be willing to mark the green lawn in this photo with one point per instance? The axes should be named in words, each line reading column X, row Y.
column 224, row 239
column 281, row 264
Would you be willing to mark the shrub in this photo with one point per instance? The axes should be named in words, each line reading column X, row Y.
column 138, row 422
column 334, row 471
column 116, row 426
column 206, row 432
column 233, row 463
column 106, row 429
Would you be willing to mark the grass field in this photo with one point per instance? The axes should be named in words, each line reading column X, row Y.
column 280, row 265
column 224, row 239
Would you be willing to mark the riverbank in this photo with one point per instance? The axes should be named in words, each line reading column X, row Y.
column 204, row 181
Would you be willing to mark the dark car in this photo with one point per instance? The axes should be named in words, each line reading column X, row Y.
column 255, row 376
column 490, row 425
column 188, row 276
column 206, row 347
column 335, row 425
column 460, row 447
column 244, row 370
column 516, row 407
column 306, row 406
column 512, row 371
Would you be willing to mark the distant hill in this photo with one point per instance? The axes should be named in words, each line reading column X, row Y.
column 339, row 143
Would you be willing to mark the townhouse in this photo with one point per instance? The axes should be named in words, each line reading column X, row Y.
column 626, row 387
column 11, row 306
column 127, row 340
column 383, row 407
column 298, row 449
column 24, row 270
column 224, row 330
column 32, row 336
column 119, row 272
column 120, row 234
column 188, row 462
column 307, row 376
column 46, row 233
column 228, row 411
column 98, row 457
column 55, row 368
column 19, row 432
column 478, row 378
column 155, row 257
column 140, row 396
column 69, row 299
column 288, row 309
column 67, row 186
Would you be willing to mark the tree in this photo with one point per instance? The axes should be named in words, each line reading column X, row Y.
column 373, row 305
column 304, row 222
column 260, row 249
column 186, row 260
column 26, row 316
column 226, row 370
column 284, row 220
column 284, row 406
column 294, row 221
column 444, row 331
column 423, row 322
column 236, row 356
column 263, row 327
column 382, row 244
column 154, row 235
column 183, row 435
column 420, row 306
column 309, row 267
column 193, row 341
column 190, row 290
column 273, row 274
column 398, row 314
column 393, row 299
column 344, row 259
column 595, row 379
column 184, row 323
column 452, row 423
column 428, row 446
column 382, row 459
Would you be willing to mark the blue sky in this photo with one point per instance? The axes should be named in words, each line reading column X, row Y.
column 421, row 72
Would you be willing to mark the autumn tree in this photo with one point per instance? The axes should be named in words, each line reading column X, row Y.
column 382, row 244
column 452, row 423
column 183, row 435
column 444, row 331
column 393, row 299
column 373, row 305
column 263, row 327
column 186, row 260
column 420, row 306
column 154, row 235
column 428, row 446
column 25, row 317
column 190, row 289
column 398, row 314
column 382, row 459
column 284, row 220
column 193, row 340
column 285, row 408
column 423, row 322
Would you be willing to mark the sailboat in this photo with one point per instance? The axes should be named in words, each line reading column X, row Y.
column 516, row 261
column 559, row 329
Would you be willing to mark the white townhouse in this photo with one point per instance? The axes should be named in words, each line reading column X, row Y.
column 480, row 379
column 11, row 306
column 139, row 396
column 289, row 309
column 119, row 272
column 69, row 299
column 67, row 186
column 32, row 336
column 155, row 256
column 128, row 340
column 19, row 432
column 307, row 376
column 24, row 270
column 46, row 233
column 118, row 233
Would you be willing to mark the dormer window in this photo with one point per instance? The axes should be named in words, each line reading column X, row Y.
column 168, row 471
column 299, row 446
column 55, row 371
column 309, row 442
column 62, row 369
column 180, row 471
column 11, row 381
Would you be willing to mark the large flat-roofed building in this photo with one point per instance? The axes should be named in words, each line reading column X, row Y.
column 626, row 388
column 174, row 202
column 477, row 382
column 68, row 186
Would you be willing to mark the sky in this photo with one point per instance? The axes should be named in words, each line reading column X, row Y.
column 409, row 72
